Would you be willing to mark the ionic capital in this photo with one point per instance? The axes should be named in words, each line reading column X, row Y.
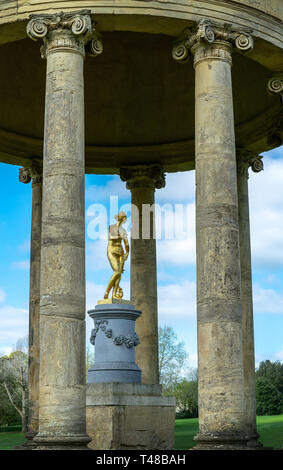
column 34, row 173
column 141, row 176
column 65, row 31
column 275, row 85
column 209, row 40
column 247, row 159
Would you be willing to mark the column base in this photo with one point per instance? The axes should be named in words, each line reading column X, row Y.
column 44, row 442
column 226, row 442
column 129, row 416
column 253, row 442
column 29, row 444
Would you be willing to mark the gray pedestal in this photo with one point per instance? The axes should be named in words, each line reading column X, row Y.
column 115, row 340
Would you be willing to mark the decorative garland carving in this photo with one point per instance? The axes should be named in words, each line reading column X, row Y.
column 143, row 176
column 130, row 340
column 65, row 31
column 216, row 40
column 100, row 324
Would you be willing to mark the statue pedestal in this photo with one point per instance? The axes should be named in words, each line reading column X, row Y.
column 129, row 416
column 121, row 412
column 115, row 340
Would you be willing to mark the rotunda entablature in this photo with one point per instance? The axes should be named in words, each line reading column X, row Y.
column 139, row 102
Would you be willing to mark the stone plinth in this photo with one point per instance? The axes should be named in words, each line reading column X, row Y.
column 115, row 340
column 129, row 416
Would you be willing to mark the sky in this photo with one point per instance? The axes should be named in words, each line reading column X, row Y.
column 175, row 254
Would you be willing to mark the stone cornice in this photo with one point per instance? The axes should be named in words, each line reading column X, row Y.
column 65, row 31
column 208, row 40
column 141, row 176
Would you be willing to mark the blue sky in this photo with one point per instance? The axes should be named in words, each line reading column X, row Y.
column 176, row 257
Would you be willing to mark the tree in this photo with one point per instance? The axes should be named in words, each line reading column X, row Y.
column 172, row 357
column 186, row 393
column 273, row 371
column 268, row 398
column 14, row 381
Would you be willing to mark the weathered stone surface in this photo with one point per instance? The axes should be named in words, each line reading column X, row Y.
column 142, row 180
column 34, row 174
column 244, row 160
column 129, row 416
column 165, row 137
column 62, row 420
column 220, row 367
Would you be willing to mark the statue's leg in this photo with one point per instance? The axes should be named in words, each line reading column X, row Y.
column 115, row 265
column 117, row 283
column 118, row 278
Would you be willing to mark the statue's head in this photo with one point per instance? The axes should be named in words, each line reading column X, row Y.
column 121, row 217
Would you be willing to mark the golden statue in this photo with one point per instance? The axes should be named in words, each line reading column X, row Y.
column 116, row 255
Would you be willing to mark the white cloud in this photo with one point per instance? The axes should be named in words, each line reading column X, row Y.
column 279, row 355
column 113, row 187
column 25, row 246
column 267, row 300
column 180, row 187
column 177, row 301
column 2, row 295
column 273, row 356
column 266, row 214
column 14, row 325
column 193, row 360
column 22, row 265
column 176, row 252
column 96, row 255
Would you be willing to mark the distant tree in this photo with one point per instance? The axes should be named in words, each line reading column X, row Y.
column 8, row 414
column 186, row 393
column 172, row 357
column 273, row 371
column 14, row 380
column 268, row 398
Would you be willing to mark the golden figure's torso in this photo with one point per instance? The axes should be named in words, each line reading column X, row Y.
column 115, row 238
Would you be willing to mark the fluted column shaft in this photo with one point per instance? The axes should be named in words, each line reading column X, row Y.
column 34, row 173
column 244, row 161
column 62, row 414
column 142, row 181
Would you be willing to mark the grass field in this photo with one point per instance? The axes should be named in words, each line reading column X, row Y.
column 270, row 429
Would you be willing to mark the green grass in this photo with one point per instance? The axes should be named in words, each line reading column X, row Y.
column 8, row 440
column 270, row 429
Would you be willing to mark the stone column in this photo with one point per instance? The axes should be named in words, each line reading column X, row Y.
column 62, row 400
column 142, row 181
column 222, row 415
column 34, row 173
column 244, row 160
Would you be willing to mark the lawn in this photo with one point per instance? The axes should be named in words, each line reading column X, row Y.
column 270, row 429
column 8, row 440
